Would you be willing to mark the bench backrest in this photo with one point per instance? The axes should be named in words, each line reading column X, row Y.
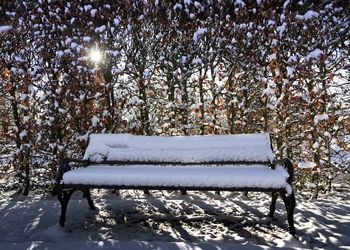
column 220, row 149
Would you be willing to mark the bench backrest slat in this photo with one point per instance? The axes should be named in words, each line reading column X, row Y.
column 242, row 148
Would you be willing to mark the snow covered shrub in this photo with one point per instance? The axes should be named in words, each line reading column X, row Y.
column 70, row 68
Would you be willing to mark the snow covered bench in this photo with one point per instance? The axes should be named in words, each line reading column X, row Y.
column 213, row 162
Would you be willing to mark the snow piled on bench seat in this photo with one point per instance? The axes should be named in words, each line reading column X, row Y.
column 228, row 176
column 192, row 149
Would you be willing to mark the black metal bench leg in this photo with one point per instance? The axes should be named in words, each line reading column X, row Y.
column 87, row 194
column 116, row 192
column 273, row 204
column 64, row 199
column 289, row 202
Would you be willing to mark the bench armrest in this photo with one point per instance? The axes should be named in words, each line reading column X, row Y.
column 65, row 167
column 287, row 165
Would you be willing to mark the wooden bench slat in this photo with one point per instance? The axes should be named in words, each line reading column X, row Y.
column 173, row 188
column 210, row 148
column 232, row 176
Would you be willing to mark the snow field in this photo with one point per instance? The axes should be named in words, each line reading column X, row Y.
column 200, row 220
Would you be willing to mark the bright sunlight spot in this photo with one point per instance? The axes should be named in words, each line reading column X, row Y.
column 95, row 55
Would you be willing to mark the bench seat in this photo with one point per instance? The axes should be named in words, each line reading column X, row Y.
column 228, row 176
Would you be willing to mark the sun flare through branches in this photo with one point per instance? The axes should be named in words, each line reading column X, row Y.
column 95, row 56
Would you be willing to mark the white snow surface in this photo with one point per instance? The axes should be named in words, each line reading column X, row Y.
column 307, row 164
column 335, row 147
column 168, row 220
column 210, row 148
column 315, row 54
column 308, row 15
column 5, row 28
column 199, row 33
column 319, row 118
column 259, row 176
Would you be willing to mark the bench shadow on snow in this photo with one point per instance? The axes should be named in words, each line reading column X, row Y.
column 190, row 218
column 199, row 217
column 132, row 218
column 24, row 218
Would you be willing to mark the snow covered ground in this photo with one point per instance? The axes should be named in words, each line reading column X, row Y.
column 167, row 220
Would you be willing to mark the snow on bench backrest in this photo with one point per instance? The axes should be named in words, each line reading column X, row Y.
column 180, row 149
